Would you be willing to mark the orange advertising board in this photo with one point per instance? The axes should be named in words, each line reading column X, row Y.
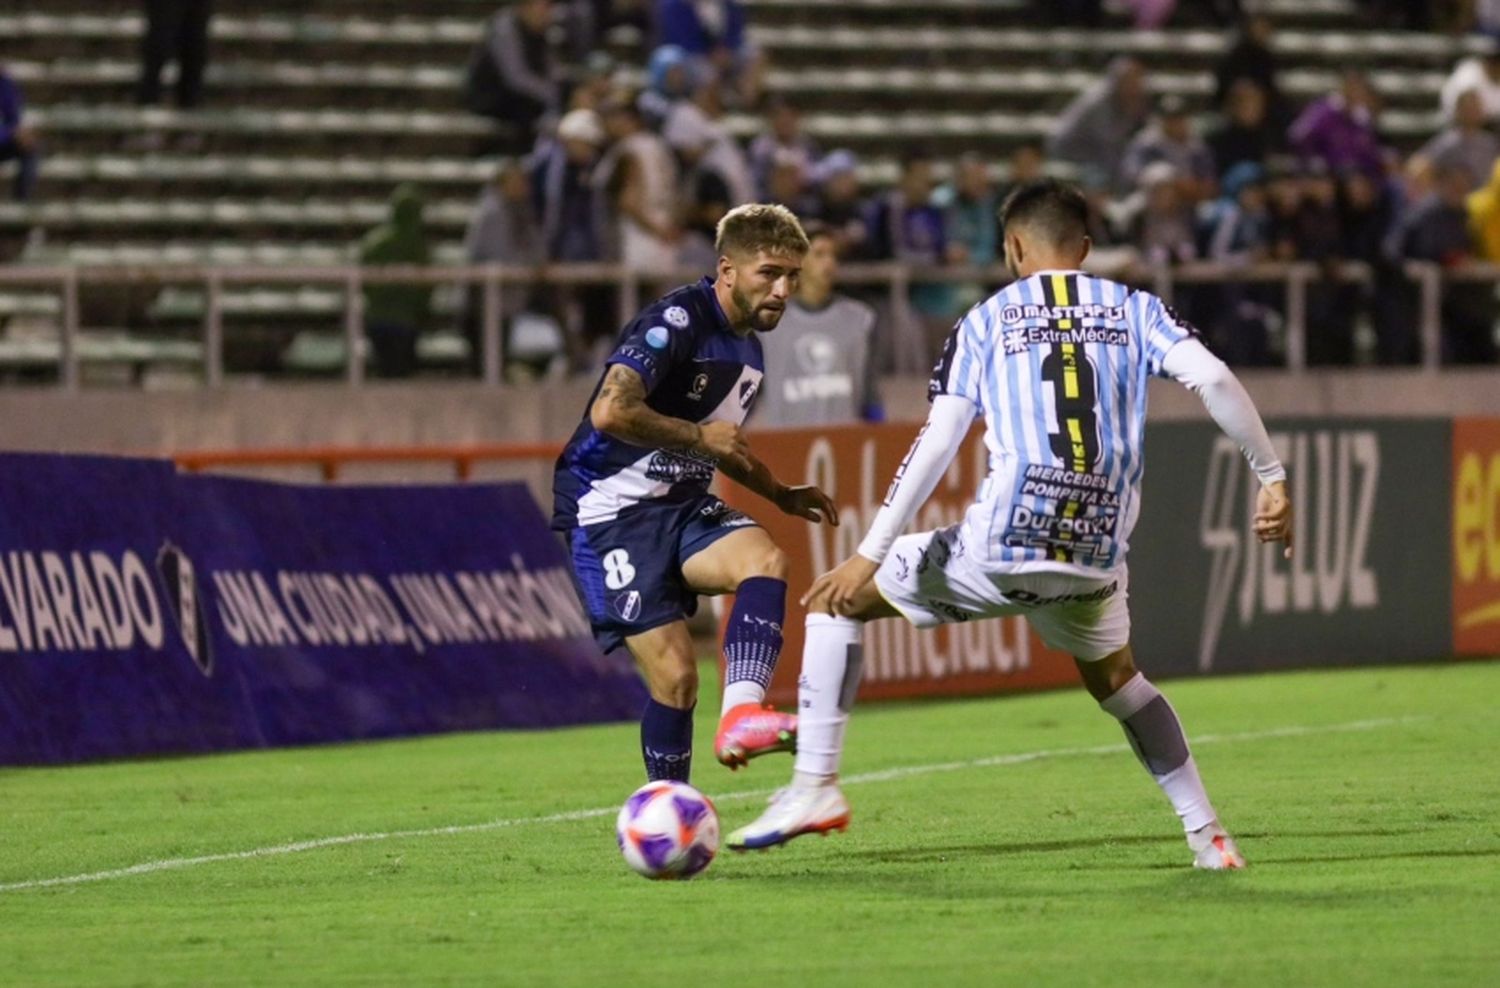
column 854, row 464
column 1476, row 536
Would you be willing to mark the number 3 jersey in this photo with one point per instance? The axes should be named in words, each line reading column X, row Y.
column 694, row 367
column 1058, row 363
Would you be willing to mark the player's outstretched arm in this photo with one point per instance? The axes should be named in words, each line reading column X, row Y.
column 620, row 410
column 804, row 501
column 1190, row 363
column 934, row 448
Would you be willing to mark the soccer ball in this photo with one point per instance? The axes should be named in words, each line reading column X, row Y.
column 668, row 830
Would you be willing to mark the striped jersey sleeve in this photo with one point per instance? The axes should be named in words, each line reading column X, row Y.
column 1160, row 328
column 960, row 369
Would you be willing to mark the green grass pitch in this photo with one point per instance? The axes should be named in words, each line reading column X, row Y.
column 995, row 842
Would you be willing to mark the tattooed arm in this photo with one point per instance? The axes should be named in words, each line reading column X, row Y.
column 620, row 410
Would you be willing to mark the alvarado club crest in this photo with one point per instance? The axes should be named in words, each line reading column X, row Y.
column 181, row 583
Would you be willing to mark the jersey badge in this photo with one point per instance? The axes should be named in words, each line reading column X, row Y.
column 657, row 337
column 676, row 316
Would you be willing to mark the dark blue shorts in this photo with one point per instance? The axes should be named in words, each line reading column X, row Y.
column 629, row 571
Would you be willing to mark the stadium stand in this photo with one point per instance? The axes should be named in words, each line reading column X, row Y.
column 316, row 111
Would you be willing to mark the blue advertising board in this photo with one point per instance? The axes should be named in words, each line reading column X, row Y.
column 146, row 611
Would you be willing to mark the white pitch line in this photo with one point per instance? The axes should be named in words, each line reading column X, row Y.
column 885, row 775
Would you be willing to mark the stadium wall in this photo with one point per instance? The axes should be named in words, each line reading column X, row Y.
column 390, row 414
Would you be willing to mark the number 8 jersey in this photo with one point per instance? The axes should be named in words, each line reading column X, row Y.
column 1058, row 363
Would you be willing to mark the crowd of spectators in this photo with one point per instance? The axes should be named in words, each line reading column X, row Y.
column 641, row 177
column 605, row 163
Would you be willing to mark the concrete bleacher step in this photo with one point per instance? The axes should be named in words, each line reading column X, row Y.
column 106, row 217
column 284, row 85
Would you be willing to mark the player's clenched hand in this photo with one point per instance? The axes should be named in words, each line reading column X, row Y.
column 1273, row 515
column 833, row 592
column 808, row 502
column 724, row 441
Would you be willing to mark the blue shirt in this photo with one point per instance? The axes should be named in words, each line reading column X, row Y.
column 695, row 368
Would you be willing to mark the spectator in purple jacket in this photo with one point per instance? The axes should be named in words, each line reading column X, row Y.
column 714, row 31
column 17, row 140
column 1339, row 129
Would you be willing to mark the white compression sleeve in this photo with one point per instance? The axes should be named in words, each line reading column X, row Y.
column 935, row 446
column 1190, row 364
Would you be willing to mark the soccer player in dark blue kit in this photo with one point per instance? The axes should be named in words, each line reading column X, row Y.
column 631, row 493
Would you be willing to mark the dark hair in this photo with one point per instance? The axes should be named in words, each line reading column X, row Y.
column 1054, row 210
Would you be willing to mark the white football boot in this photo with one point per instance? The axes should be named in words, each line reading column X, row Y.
column 1214, row 849
column 794, row 811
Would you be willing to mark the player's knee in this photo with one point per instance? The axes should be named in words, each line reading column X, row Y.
column 678, row 687
column 770, row 562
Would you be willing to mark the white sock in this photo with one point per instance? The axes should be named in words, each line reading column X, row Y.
column 1156, row 734
column 744, row 691
column 831, row 666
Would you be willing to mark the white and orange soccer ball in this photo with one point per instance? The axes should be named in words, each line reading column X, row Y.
column 668, row 830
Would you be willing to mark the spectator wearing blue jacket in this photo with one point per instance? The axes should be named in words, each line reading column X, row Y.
column 713, row 31
column 17, row 140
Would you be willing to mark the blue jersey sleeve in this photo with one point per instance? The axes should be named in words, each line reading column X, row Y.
column 651, row 347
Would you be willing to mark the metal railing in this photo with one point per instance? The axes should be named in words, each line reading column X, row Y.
column 493, row 281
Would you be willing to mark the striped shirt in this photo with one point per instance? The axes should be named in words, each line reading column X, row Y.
column 1058, row 365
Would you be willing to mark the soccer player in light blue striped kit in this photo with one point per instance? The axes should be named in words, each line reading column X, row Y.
column 1057, row 364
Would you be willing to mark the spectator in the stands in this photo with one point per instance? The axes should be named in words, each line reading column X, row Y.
column 971, row 210
column 639, row 176
column 788, row 184
column 1465, row 142
column 713, row 31
column 906, row 226
column 1283, row 185
column 18, row 141
column 715, row 180
column 782, row 138
column 1318, row 236
column 1150, row 15
column 512, row 77
column 176, row 31
column 1339, row 129
column 396, row 313
column 1250, row 57
column 592, row 82
column 504, row 229
column 1247, row 133
column 1027, row 163
column 1368, row 216
column 1094, row 130
column 1157, row 220
column 1239, row 233
column 1484, row 216
column 1170, row 138
column 699, row 120
column 841, row 206
column 1480, row 73
column 820, row 362
column 1469, row 309
column 1438, row 229
column 669, row 80
column 574, row 217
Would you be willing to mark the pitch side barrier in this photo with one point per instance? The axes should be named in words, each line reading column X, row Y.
column 1397, row 556
column 143, row 610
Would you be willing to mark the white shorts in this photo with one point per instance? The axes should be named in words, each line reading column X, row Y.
column 932, row 580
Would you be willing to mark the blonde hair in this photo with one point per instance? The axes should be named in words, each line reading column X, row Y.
column 760, row 226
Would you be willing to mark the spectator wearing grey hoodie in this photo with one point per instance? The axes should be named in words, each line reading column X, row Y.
column 1095, row 129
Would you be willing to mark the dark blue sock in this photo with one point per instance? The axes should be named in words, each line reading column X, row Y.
column 752, row 642
column 667, row 741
